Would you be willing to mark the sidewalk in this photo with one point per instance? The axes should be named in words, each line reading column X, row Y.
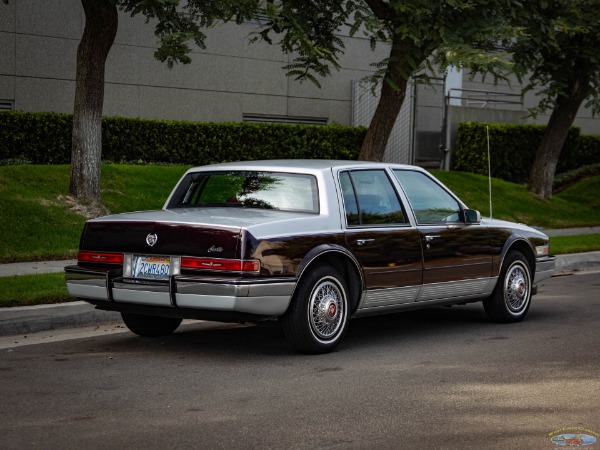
column 29, row 319
column 572, row 231
column 34, row 268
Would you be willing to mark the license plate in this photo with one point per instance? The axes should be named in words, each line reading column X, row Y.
column 151, row 267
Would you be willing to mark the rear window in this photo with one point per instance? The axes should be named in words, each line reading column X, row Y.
column 244, row 189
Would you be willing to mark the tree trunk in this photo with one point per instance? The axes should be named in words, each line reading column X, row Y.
column 393, row 93
column 563, row 115
column 101, row 23
column 378, row 134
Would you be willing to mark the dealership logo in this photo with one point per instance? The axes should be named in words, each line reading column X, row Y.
column 573, row 437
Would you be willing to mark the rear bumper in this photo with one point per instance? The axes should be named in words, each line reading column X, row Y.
column 544, row 268
column 264, row 297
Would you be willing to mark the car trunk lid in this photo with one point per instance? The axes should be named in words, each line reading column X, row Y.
column 159, row 233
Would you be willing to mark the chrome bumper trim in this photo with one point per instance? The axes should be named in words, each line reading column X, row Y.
column 144, row 294
column 544, row 268
column 261, row 297
column 86, row 285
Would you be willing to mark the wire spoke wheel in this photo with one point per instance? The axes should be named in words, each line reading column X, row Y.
column 516, row 288
column 512, row 296
column 326, row 309
column 317, row 318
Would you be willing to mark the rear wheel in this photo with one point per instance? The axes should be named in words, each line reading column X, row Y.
column 150, row 326
column 317, row 318
column 512, row 295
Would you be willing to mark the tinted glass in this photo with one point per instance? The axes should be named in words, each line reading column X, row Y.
column 370, row 198
column 266, row 190
column 352, row 216
column 430, row 202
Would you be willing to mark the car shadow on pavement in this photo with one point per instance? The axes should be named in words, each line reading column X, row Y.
column 435, row 326
column 440, row 324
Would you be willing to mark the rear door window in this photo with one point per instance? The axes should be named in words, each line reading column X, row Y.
column 370, row 198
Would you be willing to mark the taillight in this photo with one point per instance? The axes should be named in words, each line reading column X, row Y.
column 234, row 265
column 110, row 258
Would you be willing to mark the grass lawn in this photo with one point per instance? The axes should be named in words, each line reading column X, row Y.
column 559, row 245
column 577, row 206
column 35, row 225
column 29, row 290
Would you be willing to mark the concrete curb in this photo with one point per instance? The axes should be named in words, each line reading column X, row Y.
column 34, row 268
column 577, row 261
column 29, row 319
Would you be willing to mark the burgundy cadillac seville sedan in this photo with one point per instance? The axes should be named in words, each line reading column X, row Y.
column 312, row 243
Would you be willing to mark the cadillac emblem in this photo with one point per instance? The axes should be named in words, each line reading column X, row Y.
column 151, row 239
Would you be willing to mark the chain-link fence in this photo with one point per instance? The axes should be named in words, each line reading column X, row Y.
column 364, row 103
column 429, row 119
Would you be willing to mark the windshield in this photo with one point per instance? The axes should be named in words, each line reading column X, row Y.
column 266, row 190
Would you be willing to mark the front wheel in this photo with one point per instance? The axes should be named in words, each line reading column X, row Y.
column 317, row 318
column 150, row 326
column 512, row 295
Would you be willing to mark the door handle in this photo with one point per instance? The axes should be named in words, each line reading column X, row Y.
column 360, row 242
column 429, row 238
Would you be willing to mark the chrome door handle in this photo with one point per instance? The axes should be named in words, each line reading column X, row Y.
column 360, row 242
column 429, row 238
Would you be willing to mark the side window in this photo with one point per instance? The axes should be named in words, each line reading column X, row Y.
column 430, row 202
column 370, row 198
column 352, row 216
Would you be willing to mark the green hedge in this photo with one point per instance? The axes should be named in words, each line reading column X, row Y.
column 45, row 138
column 513, row 148
column 587, row 152
column 39, row 138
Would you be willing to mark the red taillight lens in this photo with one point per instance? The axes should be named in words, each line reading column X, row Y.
column 111, row 258
column 235, row 265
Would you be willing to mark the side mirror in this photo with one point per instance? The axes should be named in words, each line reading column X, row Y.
column 472, row 216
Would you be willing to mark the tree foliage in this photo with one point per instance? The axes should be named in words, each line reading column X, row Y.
column 424, row 36
column 180, row 23
column 559, row 50
column 562, row 38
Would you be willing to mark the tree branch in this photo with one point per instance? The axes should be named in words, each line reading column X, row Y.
column 382, row 10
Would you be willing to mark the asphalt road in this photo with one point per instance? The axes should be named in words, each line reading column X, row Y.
column 442, row 378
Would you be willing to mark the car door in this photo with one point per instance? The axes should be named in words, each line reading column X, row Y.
column 380, row 235
column 457, row 256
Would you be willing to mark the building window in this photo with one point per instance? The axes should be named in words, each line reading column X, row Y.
column 7, row 105
column 265, row 118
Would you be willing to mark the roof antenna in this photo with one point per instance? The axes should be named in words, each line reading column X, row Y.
column 489, row 168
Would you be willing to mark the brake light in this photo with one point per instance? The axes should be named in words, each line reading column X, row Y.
column 234, row 265
column 110, row 258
